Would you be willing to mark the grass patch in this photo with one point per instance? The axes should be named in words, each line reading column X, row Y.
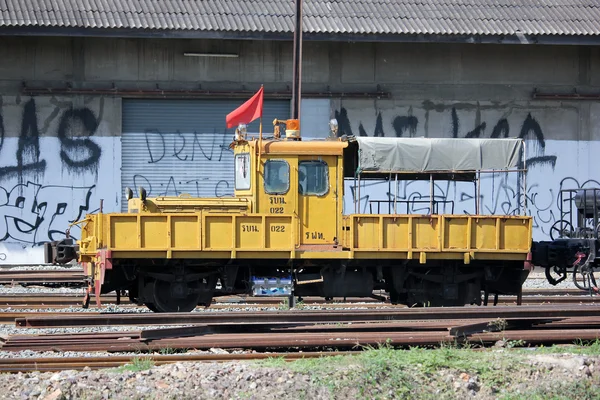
column 384, row 372
column 137, row 364
column 421, row 373
column 284, row 305
column 588, row 348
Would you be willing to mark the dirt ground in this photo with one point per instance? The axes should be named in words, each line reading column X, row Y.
column 384, row 373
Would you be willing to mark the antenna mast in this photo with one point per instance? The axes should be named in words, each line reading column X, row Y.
column 297, row 83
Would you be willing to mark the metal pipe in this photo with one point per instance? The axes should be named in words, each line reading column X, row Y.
column 595, row 215
column 430, row 194
column 478, row 201
column 483, row 171
column 524, row 178
column 354, row 194
column 565, row 96
column 359, row 193
column 396, row 197
column 389, row 193
column 242, row 94
column 297, row 69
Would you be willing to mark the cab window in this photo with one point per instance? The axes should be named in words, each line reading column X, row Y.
column 242, row 171
column 277, row 177
column 313, row 178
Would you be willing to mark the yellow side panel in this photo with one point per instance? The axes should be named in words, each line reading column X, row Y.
column 154, row 232
column 279, row 233
column 185, row 232
column 395, row 233
column 123, row 232
column 366, row 232
column 455, row 233
column 218, row 232
column 447, row 234
column 514, row 234
column 347, row 232
column 249, row 232
column 425, row 233
column 483, row 233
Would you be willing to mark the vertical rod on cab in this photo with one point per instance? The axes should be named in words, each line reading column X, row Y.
column 478, row 202
column 359, row 193
column 389, row 194
column 525, row 178
column 396, row 196
column 297, row 70
column 430, row 194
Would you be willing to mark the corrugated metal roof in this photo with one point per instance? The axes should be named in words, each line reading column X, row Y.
column 435, row 17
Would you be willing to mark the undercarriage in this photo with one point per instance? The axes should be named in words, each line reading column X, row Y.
column 181, row 286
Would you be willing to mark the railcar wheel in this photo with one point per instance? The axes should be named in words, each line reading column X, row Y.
column 561, row 229
column 151, row 307
column 174, row 297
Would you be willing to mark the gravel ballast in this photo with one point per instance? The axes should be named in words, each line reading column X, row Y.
column 385, row 374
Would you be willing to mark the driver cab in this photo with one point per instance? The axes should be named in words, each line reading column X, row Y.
column 292, row 177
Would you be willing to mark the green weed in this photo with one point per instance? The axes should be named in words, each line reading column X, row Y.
column 284, row 305
column 587, row 347
column 137, row 364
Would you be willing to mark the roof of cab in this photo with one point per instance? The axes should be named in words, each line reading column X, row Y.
column 332, row 147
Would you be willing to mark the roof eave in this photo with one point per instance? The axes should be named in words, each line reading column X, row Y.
column 287, row 36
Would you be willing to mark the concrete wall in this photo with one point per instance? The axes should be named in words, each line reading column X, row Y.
column 60, row 155
column 58, row 158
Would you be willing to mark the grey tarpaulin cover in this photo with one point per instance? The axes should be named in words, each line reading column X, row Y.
column 381, row 154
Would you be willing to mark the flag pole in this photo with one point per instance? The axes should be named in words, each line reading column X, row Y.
column 259, row 140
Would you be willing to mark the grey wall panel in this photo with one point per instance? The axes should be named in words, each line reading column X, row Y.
column 172, row 147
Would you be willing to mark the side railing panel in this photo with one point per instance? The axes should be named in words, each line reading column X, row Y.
column 178, row 233
column 438, row 233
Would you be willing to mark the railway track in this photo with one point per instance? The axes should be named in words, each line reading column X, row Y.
column 312, row 330
column 42, row 277
column 90, row 319
column 61, row 300
column 309, row 331
column 21, row 364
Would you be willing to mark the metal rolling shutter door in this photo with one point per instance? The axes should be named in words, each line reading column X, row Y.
column 171, row 147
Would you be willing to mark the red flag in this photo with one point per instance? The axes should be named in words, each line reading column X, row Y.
column 247, row 112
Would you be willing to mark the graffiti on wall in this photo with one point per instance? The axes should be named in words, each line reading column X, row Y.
column 78, row 152
column 199, row 164
column 33, row 213
column 500, row 193
column 407, row 125
column 44, row 149
column 176, row 187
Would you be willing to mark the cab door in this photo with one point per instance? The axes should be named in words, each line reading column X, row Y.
column 318, row 199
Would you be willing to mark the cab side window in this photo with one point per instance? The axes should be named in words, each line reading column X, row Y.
column 277, row 177
column 313, row 178
column 242, row 171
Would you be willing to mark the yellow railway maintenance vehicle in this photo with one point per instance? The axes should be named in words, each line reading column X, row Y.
column 284, row 231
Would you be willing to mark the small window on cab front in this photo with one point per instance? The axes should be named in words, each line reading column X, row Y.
column 242, row 171
column 277, row 177
column 313, row 178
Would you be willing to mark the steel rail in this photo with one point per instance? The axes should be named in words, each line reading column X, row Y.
column 41, row 276
column 307, row 340
column 57, row 303
column 10, row 317
column 63, row 298
column 14, row 365
column 400, row 314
